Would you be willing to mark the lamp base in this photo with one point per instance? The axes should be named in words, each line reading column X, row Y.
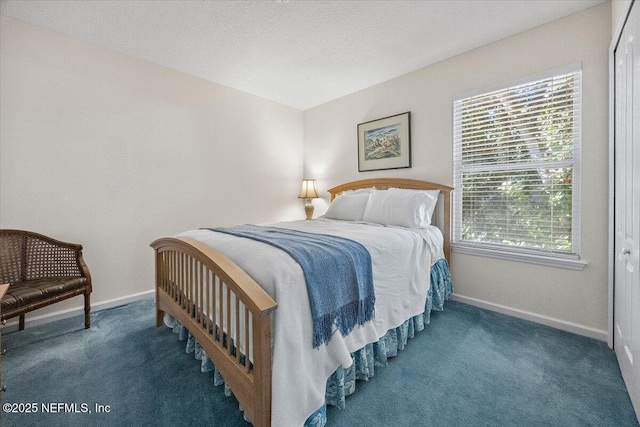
column 308, row 209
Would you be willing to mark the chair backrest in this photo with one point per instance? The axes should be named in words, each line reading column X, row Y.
column 28, row 256
column 12, row 259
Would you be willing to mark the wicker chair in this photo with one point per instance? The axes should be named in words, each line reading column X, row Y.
column 40, row 271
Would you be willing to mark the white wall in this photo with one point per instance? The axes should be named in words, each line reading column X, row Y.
column 330, row 155
column 618, row 8
column 112, row 152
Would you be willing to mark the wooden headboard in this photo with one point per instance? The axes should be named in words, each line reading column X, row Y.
column 442, row 215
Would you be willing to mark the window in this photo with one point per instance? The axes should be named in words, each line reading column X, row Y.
column 517, row 170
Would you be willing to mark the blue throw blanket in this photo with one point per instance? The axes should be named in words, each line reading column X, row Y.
column 338, row 273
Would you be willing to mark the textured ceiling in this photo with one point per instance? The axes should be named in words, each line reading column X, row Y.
column 299, row 53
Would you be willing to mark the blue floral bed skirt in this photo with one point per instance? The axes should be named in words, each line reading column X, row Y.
column 342, row 382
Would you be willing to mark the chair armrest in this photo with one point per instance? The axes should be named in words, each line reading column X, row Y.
column 83, row 267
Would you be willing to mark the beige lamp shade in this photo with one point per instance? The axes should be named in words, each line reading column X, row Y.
column 309, row 189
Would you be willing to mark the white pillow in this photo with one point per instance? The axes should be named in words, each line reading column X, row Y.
column 348, row 207
column 432, row 196
column 403, row 207
column 367, row 190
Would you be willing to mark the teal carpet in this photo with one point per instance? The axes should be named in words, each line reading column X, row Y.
column 470, row 367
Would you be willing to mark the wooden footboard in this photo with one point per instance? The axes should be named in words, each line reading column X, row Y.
column 226, row 311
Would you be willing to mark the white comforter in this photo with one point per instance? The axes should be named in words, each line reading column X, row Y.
column 401, row 260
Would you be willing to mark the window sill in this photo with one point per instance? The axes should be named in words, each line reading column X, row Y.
column 549, row 261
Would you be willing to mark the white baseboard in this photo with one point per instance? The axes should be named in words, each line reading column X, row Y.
column 563, row 325
column 12, row 325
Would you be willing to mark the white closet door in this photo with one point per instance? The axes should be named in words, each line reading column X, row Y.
column 627, row 206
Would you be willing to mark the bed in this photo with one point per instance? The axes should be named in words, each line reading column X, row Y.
column 205, row 281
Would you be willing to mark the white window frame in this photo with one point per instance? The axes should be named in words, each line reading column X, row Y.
column 548, row 258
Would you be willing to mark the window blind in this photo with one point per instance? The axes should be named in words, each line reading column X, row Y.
column 517, row 167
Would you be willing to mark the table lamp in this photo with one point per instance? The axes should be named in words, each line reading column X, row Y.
column 308, row 191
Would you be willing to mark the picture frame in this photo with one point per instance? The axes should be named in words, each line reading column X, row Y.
column 385, row 143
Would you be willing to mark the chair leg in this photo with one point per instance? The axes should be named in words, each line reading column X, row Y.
column 21, row 323
column 87, row 310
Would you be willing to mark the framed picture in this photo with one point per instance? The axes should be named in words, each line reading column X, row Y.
column 385, row 143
